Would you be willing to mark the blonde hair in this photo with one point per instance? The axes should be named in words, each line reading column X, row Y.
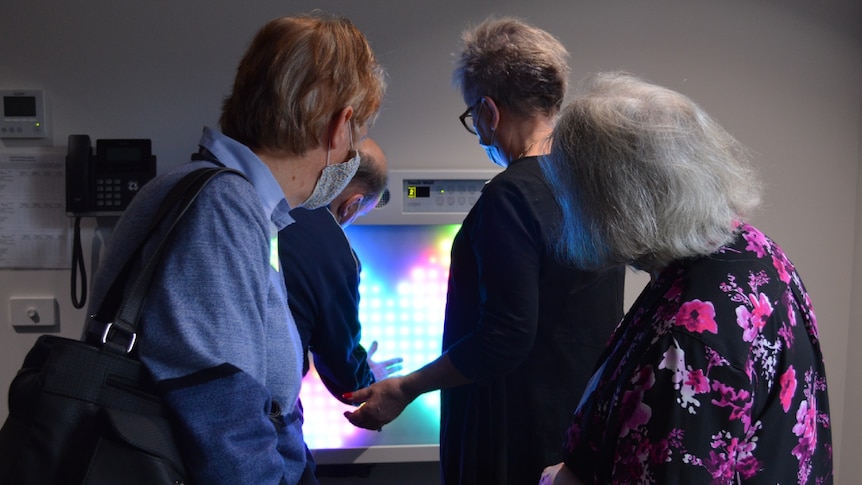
column 645, row 176
column 295, row 76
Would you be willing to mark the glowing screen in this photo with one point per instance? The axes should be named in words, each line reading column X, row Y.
column 405, row 270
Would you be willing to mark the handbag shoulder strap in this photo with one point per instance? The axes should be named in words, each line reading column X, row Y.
column 122, row 313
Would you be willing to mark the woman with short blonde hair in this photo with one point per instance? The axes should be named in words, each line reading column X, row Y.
column 217, row 335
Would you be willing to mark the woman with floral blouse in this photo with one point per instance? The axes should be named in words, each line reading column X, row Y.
column 715, row 376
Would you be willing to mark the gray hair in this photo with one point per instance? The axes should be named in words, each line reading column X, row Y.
column 370, row 179
column 519, row 66
column 645, row 176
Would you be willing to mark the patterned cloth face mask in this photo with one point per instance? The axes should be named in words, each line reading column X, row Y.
column 333, row 179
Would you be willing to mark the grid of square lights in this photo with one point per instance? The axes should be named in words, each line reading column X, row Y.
column 404, row 314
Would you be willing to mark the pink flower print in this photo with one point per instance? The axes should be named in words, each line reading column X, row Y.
column 757, row 242
column 687, row 381
column 633, row 412
column 738, row 401
column 725, row 466
column 697, row 316
column 714, row 359
column 752, row 321
column 697, row 381
column 660, row 452
column 806, row 430
column 674, row 291
column 674, row 361
column 731, row 456
column 786, row 333
column 630, row 460
column 780, row 265
column 791, row 314
column 809, row 312
column 787, row 381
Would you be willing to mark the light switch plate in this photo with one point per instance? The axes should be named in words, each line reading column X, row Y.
column 33, row 312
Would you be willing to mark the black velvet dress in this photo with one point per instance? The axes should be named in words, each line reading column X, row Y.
column 524, row 327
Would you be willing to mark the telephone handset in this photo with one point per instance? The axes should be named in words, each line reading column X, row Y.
column 105, row 182
column 102, row 184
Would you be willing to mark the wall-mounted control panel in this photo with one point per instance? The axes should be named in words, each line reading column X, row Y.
column 428, row 196
column 441, row 195
column 23, row 113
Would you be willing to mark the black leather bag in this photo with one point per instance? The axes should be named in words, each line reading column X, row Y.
column 81, row 414
column 87, row 413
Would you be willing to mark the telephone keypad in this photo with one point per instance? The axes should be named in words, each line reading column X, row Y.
column 109, row 192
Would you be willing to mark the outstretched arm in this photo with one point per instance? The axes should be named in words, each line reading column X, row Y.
column 385, row 400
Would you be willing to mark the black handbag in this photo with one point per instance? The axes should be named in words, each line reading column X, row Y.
column 87, row 413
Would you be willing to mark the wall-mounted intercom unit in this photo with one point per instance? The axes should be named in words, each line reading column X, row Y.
column 23, row 114
column 104, row 182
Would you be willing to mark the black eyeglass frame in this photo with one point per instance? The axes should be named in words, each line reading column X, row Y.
column 469, row 114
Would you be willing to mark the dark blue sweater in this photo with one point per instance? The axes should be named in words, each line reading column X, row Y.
column 322, row 278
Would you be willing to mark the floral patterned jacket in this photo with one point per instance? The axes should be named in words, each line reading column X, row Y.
column 715, row 376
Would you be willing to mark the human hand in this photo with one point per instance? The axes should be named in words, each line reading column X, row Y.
column 382, row 402
column 559, row 474
column 382, row 370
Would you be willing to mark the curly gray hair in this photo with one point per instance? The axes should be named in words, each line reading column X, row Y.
column 645, row 176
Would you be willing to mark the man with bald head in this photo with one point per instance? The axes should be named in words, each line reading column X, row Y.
column 323, row 281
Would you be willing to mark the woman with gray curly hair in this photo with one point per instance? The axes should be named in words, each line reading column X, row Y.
column 522, row 331
column 715, row 374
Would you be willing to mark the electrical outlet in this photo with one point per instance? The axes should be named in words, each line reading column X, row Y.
column 33, row 312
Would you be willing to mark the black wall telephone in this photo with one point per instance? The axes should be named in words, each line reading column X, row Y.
column 102, row 184
column 105, row 182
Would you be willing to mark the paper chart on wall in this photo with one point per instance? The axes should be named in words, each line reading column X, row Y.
column 35, row 232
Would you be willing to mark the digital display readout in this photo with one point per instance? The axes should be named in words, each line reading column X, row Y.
column 418, row 191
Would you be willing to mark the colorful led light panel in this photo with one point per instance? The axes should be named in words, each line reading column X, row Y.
column 405, row 271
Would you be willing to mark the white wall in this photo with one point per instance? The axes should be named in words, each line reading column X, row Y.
column 851, row 466
column 783, row 76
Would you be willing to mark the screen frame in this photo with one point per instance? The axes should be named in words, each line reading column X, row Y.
column 393, row 213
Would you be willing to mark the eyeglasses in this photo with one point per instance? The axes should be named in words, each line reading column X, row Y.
column 469, row 115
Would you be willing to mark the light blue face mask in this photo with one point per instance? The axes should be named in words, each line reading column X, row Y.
column 333, row 179
column 494, row 152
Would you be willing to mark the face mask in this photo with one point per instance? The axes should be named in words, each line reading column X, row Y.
column 333, row 179
column 494, row 152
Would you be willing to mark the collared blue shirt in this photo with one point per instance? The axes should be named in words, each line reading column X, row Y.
column 238, row 156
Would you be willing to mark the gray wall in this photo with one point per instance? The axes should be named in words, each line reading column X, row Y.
column 783, row 76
